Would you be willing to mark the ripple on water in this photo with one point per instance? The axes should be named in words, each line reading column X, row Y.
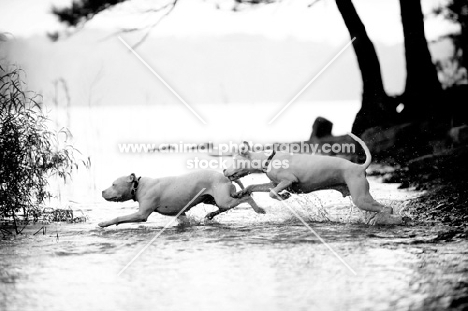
column 240, row 261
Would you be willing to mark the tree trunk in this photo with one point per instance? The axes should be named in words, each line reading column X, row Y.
column 464, row 45
column 423, row 89
column 374, row 110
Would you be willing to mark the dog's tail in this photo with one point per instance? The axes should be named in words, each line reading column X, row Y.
column 366, row 150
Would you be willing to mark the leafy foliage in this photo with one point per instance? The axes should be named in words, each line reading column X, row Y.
column 29, row 150
column 456, row 68
column 451, row 72
column 81, row 11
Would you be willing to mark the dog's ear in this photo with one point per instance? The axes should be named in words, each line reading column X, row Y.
column 244, row 148
column 131, row 178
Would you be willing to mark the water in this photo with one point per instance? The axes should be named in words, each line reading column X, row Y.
column 239, row 261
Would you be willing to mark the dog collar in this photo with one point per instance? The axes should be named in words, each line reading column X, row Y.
column 135, row 188
column 267, row 162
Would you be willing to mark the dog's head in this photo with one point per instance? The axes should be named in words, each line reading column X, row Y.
column 121, row 189
column 243, row 163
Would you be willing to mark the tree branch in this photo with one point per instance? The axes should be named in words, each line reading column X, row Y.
column 156, row 23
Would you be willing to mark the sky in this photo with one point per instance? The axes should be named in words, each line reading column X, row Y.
column 284, row 19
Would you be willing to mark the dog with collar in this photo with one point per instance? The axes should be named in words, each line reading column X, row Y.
column 169, row 195
column 305, row 173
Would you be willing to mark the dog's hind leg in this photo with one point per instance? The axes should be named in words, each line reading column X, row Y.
column 254, row 205
column 275, row 193
column 225, row 205
column 225, row 200
column 359, row 189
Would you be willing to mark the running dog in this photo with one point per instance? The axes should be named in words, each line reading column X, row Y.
column 304, row 173
column 169, row 195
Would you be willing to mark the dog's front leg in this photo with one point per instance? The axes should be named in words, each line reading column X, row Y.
column 255, row 188
column 134, row 217
column 241, row 185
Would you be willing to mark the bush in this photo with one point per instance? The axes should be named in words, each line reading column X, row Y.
column 29, row 150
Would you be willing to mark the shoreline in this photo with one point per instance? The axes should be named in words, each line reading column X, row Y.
column 442, row 178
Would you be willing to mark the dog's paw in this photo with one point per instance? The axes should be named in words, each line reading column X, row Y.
column 285, row 195
column 103, row 224
column 279, row 196
column 260, row 210
column 385, row 219
column 210, row 216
